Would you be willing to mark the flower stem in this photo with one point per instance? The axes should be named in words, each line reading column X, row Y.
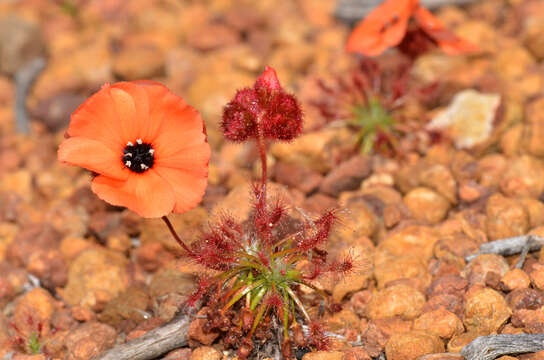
column 175, row 235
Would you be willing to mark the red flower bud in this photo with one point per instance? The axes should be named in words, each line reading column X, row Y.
column 283, row 120
column 265, row 110
column 268, row 80
column 240, row 116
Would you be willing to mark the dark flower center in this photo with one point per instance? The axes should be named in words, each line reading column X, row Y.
column 139, row 156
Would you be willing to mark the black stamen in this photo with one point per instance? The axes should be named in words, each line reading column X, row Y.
column 138, row 157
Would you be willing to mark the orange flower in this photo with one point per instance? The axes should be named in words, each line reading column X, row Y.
column 386, row 26
column 146, row 144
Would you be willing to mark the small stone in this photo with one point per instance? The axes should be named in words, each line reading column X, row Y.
column 417, row 241
column 533, row 33
column 358, row 222
column 525, row 299
column 440, row 322
column 522, row 177
column 470, row 191
column 139, row 61
column 515, row 279
column 410, row 345
column 312, row 149
column 319, row 203
column 469, row 118
column 211, row 37
column 19, row 182
column 427, row 205
column 450, row 302
column 457, row 342
column 506, row 217
column 478, row 270
column 33, row 312
column 144, row 327
column 441, row 356
column 179, row 354
column 491, row 168
column 20, row 42
column 535, row 209
column 83, row 314
column 448, row 284
column 96, row 275
column 537, row 276
column 170, row 288
column 347, row 176
column 55, row 111
column 88, row 340
column 196, row 333
column 152, row 255
column 439, row 178
column 304, row 179
column 324, row 355
column 130, row 304
column 397, row 300
column 485, row 311
column 388, row 269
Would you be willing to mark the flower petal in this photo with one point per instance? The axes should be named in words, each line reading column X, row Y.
column 188, row 189
column 193, row 159
column 162, row 102
column 384, row 27
column 132, row 105
column 147, row 194
column 92, row 155
column 97, row 119
column 450, row 43
column 181, row 142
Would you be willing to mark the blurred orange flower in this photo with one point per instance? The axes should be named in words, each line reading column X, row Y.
column 146, row 144
column 386, row 26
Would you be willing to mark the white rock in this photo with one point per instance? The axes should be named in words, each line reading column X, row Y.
column 469, row 118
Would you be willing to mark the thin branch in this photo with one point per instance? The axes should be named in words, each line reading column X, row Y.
column 492, row 346
column 509, row 246
column 154, row 343
column 24, row 78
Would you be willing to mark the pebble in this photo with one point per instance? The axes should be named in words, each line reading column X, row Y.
column 324, row 355
column 347, row 176
column 522, row 178
column 206, row 353
column 95, row 277
column 411, row 345
column 440, row 322
column 515, row 279
column 485, row 311
column 537, row 276
column 397, row 300
column 304, row 179
column 417, row 241
column 506, row 217
column 391, row 268
column 427, row 205
column 89, row 339
column 482, row 266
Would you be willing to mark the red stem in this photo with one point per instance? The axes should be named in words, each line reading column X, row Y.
column 175, row 235
column 264, row 178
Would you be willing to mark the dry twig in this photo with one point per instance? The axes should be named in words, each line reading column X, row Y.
column 154, row 343
column 492, row 346
column 509, row 246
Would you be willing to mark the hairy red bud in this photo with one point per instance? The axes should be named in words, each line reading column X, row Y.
column 265, row 110
column 268, row 80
